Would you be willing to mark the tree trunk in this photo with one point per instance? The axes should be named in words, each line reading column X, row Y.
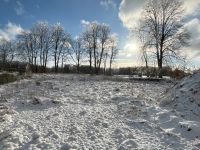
column 101, row 55
column 78, row 64
column 147, row 67
column 95, row 61
column 45, row 63
column 35, row 64
column 110, row 69
column 160, row 68
column 55, row 58
column 62, row 64
column 90, row 61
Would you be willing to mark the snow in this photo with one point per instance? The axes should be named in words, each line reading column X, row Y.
column 184, row 97
column 91, row 112
column 184, row 100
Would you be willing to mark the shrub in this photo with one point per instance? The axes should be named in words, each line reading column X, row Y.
column 7, row 77
column 177, row 74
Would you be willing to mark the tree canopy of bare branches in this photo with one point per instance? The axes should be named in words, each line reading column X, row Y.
column 7, row 51
column 60, row 40
column 97, row 37
column 77, row 52
column 162, row 25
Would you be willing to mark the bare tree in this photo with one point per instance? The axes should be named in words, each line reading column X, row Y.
column 93, row 29
column 144, row 41
column 12, row 46
column 28, row 48
column 113, row 51
column 59, row 39
column 104, row 32
column 57, row 35
column 7, row 50
column 4, row 51
column 88, row 45
column 77, row 52
column 162, row 22
column 96, row 39
column 41, row 31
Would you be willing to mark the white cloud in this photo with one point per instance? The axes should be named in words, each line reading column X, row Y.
column 19, row 9
column 130, row 49
column 85, row 22
column 130, row 12
column 108, row 3
column 129, row 55
column 10, row 31
column 192, row 7
column 193, row 27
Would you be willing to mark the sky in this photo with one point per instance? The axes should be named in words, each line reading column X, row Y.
column 121, row 15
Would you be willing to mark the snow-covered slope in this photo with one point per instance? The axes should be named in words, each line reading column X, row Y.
column 79, row 112
column 184, row 100
column 185, row 97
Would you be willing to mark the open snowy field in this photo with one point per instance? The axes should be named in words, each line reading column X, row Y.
column 81, row 112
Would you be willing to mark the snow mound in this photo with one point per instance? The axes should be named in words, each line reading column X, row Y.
column 184, row 98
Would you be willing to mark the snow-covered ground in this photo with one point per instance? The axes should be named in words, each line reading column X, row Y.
column 82, row 112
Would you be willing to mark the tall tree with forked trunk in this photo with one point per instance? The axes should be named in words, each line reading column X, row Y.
column 162, row 23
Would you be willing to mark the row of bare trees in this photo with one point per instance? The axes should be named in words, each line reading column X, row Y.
column 161, row 31
column 44, row 44
column 100, row 44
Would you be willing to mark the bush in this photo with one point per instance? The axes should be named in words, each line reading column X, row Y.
column 177, row 74
column 7, row 77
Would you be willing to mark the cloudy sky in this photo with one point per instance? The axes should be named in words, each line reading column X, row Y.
column 17, row 15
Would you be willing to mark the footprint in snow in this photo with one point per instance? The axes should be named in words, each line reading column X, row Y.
column 97, row 122
column 68, row 147
column 128, row 144
column 82, row 113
